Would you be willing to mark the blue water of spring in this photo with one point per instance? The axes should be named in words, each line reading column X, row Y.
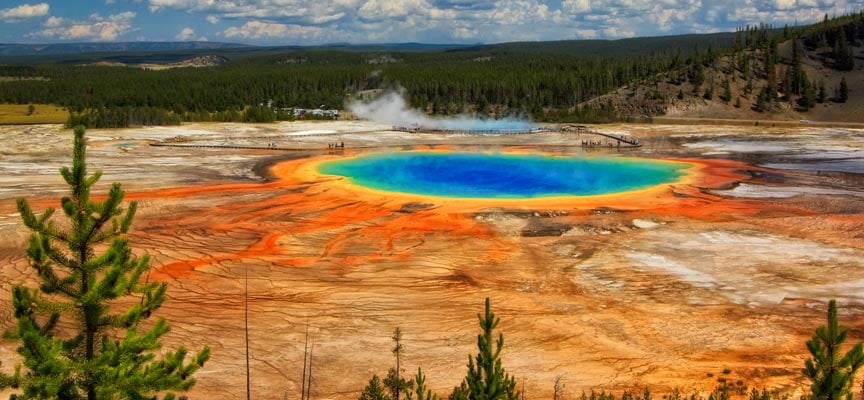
column 495, row 175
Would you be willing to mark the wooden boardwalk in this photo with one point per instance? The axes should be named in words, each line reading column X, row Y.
column 632, row 142
column 576, row 129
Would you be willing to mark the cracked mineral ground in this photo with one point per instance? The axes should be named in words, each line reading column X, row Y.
column 729, row 268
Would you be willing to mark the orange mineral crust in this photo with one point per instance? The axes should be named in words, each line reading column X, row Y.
column 662, row 287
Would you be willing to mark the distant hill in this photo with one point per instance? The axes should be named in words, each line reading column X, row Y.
column 621, row 47
column 172, row 52
column 141, row 52
column 83, row 48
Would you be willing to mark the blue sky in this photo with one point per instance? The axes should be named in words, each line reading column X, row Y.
column 307, row 22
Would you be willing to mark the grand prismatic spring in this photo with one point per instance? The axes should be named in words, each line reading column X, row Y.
column 484, row 175
column 724, row 264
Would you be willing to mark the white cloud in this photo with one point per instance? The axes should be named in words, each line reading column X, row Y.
column 576, row 6
column 157, row 5
column 298, row 21
column 666, row 19
column 96, row 28
column 397, row 9
column 613, row 32
column 464, row 33
column 784, row 4
column 586, row 33
column 185, row 34
column 510, row 12
column 257, row 30
column 270, row 30
column 53, row 22
column 24, row 11
column 780, row 12
column 316, row 12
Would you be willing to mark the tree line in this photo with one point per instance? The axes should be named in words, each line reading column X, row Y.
column 493, row 83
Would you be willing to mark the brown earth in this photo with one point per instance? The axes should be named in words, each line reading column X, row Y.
column 662, row 288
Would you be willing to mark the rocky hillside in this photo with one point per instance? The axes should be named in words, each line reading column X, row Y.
column 196, row 61
column 792, row 76
column 199, row 61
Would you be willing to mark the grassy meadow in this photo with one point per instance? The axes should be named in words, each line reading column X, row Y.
column 13, row 114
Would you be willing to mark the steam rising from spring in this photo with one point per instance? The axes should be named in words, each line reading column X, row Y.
column 391, row 108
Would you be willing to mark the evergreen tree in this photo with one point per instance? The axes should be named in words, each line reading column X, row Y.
column 482, row 105
column 832, row 374
column 107, row 354
column 771, row 73
column 726, row 96
column 844, row 59
column 745, row 66
column 822, row 94
column 646, row 394
column 420, row 390
column 796, row 76
column 258, row 114
column 808, row 96
column 843, row 91
column 374, row 390
column 788, row 81
column 460, row 392
column 486, row 379
column 394, row 381
column 697, row 77
column 763, row 100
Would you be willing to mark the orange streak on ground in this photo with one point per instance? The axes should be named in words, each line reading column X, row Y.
column 334, row 203
column 201, row 190
column 304, row 219
column 341, row 203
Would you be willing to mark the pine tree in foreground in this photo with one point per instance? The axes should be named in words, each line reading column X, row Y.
column 459, row 392
column 103, row 352
column 422, row 393
column 832, row 374
column 486, row 379
column 374, row 390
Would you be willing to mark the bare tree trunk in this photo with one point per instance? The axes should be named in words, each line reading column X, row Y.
column 397, row 337
column 246, row 327
column 305, row 357
column 523, row 388
column 309, row 384
column 559, row 388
